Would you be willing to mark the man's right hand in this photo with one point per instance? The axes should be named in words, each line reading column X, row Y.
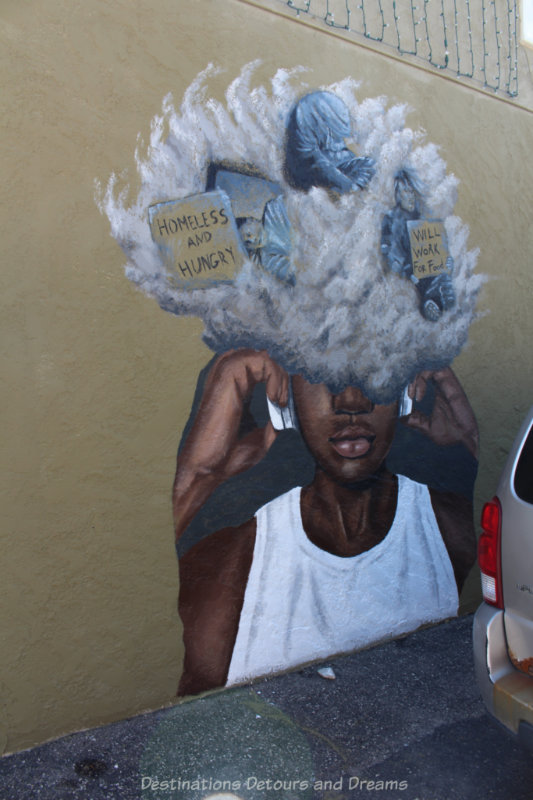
column 216, row 449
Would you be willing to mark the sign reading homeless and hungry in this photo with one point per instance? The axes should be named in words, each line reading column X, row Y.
column 198, row 238
column 429, row 251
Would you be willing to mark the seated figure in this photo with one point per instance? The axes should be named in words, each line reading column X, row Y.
column 436, row 292
column 316, row 153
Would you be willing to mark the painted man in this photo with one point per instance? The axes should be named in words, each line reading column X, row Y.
column 356, row 556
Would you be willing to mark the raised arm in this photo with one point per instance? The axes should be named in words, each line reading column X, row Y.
column 218, row 447
column 451, row 421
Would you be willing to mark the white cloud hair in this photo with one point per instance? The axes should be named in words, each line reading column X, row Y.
column 348, row 320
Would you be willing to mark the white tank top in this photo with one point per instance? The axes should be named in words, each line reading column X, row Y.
column 304, row 604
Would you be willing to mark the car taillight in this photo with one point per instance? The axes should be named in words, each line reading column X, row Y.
column 489, row 553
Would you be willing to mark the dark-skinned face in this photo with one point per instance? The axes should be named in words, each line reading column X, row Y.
column 348, row 435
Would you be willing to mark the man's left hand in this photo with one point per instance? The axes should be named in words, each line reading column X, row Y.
column 452, row 420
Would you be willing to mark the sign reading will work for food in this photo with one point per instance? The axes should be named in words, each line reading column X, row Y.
column 429, row 251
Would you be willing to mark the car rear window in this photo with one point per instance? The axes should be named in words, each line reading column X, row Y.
column 523, row 477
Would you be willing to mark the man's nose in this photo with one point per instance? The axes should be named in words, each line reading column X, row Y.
column 352, row 401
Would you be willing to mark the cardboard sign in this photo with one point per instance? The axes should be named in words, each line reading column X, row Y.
column 198, row 238
column 429, row 249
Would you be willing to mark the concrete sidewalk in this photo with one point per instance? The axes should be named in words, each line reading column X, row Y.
column 402, row 720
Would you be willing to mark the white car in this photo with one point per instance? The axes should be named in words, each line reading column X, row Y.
column 503, row 624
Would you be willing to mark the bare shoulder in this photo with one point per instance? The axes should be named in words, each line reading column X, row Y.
column 220, row 552
column 455, row 518
column 213, row 577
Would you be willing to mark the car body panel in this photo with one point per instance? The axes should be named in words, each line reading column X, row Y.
column 507, row 693
column 491, row 661
column 517, row 548
column 519, row 635
column 503, row 638
column 513, row 700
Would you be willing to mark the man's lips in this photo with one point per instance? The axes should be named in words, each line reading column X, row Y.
column 352, row 442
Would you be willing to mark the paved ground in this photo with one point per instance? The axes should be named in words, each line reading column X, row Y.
column 403, row 720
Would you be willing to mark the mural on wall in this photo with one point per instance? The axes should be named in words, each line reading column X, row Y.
column 322, row 498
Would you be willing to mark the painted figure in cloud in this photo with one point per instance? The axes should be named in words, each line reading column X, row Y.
column 436, row 292
column 261, row 219
column 354, row 523
column 267, row 241
column 316, row 151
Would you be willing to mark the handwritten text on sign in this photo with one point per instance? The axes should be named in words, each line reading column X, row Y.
column 429, row 251
column 198, row 238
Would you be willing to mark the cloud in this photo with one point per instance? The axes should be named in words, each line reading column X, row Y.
column 347, row 319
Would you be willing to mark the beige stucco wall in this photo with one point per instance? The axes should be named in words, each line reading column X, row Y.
column 98, row 380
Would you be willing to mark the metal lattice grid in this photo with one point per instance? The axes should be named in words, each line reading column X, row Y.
column 476, row 39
